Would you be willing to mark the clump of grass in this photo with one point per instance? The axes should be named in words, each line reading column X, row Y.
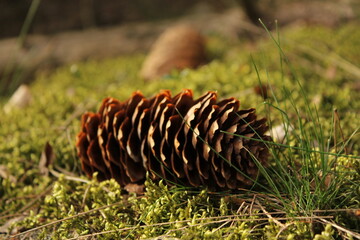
column 309, row 173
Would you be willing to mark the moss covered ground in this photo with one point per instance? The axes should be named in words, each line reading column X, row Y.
column 309, row 191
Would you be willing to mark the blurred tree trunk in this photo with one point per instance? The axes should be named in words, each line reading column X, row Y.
column 252, row 11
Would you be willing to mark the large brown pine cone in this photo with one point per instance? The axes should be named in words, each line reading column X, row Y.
column 179, row 139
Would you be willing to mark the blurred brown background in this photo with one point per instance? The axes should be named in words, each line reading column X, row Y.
column 66, row 31
column 59, row 15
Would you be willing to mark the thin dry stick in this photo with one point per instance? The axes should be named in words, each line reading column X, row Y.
column 212, row 222
column 283, row 229
column 252, row 203
column 67, row 218
column 11, row 215
column 64, row 171
column 340, row 228
column 85, row 195
column 226, row 216
column 349, row 210
column 258, row 226
column 238, row 211
column 38, row 197
column 232, row 222
column 242, row 209
column 239, row 220
column 75, row 179
column 224, row 224
column 142, row 226
column 45, row 192
column 269, row 215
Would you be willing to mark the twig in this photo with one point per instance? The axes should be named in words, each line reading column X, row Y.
column 11, row 215
column 64, row 171
column 75, row 179
column 183, row 221
column 340, row 228
column 283, row 229
column 85, row 195
column 252, row 203
column 224, row 224
column 242, row 209
column 194, row 225
column 32, row 202
column 67, row 218
column 269, row 216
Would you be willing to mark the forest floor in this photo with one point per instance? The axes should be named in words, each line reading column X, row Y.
column 310, row 190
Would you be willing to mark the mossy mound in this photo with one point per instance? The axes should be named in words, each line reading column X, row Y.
column 303, row 94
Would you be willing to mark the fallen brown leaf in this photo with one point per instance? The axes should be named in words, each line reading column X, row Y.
column 46, row 159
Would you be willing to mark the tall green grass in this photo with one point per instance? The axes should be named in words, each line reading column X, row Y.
column 13, row 75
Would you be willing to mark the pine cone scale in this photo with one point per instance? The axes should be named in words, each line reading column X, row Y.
column 97, row 161
column 133, row 146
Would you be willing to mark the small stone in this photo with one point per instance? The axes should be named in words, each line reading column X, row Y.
column 20, row 99
column 279, row 132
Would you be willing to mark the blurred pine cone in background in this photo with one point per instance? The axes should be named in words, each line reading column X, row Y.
column 178, row 139
column 178, row 47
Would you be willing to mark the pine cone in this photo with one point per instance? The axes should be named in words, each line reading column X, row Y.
column 179, row 139
column 178, row 47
